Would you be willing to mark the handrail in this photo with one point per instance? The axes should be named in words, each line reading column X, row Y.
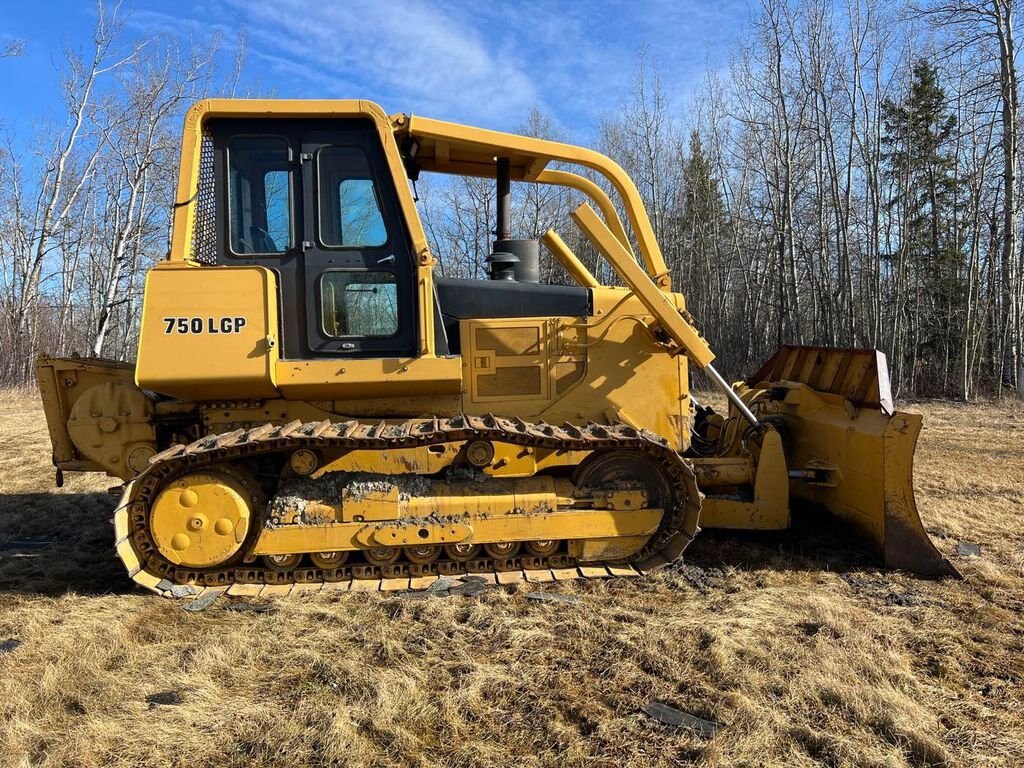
column 594, row 192
column 658, row 303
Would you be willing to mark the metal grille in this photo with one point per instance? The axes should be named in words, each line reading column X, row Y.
column 204, row 228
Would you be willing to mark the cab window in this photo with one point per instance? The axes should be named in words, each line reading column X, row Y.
column 259, row 196
column 350, row 215
column 359, row 303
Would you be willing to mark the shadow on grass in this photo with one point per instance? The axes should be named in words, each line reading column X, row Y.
column 815, row 542
column 55, row 543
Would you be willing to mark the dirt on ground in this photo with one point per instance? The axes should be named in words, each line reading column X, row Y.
column 798, row 644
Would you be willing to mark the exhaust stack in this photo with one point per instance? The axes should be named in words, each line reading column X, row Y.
column 511, row 259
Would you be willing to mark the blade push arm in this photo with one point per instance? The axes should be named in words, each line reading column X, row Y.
column 656, row 302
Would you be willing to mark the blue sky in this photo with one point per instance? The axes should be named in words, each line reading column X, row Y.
column 487, row 63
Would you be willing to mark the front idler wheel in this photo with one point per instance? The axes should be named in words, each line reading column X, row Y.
column 202, row 519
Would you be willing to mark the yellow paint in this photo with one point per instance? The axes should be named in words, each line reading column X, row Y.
column 872, row 454
column 574, row 524
column 424, row 461
column 200, row 520
column 529, row 509
column 62, row 383
column 718, row 472
column 578, row 369
column 509, row 359
column 568, row 259
column 769, row 507
column 565, row 377
column 209, row 333
column 621, row 363
column 350, row 378
column 598, row 197
column 616, row 547
column 471, row 152
column 657, row 303
column 510, row 461
column 368, row 505
column 188, row 178
column 112, row 424
column 414, row 532
column 442, row 499
column 126, row 552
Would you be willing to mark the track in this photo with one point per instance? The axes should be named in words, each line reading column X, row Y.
column 246, row 447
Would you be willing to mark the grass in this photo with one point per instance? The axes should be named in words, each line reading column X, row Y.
column 796, row 642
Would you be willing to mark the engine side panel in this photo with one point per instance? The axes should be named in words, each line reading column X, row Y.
column 209, row 333
column 605, row 368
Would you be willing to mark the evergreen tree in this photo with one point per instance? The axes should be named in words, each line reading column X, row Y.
column 703, row 213
column 921, row 166
column 700, row 240
column 702, row 234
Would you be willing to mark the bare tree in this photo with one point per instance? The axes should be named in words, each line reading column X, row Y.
column 69, row 163
column 138, row 142
column 988, row 26
column 776, row 198
column 11, row 48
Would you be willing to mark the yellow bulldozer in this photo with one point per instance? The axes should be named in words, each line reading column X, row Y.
column 312, row 403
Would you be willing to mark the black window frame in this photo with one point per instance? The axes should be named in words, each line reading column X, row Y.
column 289, row 169
column 319, row 219
column 398, row 304
column 298, row 269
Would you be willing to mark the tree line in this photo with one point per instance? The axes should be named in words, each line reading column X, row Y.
column 851, row 178
column 86, row 200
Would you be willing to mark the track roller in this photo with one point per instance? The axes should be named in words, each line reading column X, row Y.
column 542, row 548
column 281, row 562
column 462, row 553
column 328, row 560
column 502, row 550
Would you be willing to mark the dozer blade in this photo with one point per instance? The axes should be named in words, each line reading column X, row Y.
column 848, row 449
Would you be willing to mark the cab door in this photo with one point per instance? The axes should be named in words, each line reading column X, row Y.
column 357, row 268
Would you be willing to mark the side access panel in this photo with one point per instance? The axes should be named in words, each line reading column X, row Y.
column 209, row 332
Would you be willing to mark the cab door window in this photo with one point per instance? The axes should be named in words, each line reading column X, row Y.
column 359, row 303
column 259, row 196
column 350, row 212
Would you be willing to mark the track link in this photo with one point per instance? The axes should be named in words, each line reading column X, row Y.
column 151, row 570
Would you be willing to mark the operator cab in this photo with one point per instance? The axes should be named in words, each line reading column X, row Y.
column 313, row 200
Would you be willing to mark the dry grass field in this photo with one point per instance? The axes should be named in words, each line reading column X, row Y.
column 798, row 643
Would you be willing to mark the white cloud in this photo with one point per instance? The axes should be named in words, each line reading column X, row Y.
column 486, row 63
column 413, row 56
